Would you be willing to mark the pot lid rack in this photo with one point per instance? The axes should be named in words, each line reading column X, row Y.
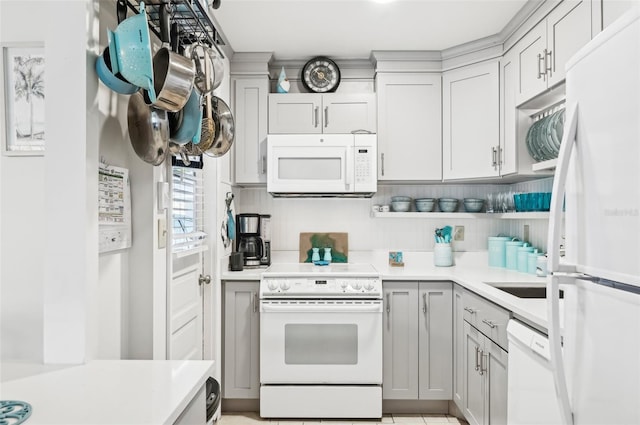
column 190, row 16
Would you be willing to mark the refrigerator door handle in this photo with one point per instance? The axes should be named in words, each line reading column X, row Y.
column 559, row 184
column 553, row 287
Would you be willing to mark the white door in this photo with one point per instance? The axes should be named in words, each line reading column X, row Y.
column 185, row 309
column 186, row 285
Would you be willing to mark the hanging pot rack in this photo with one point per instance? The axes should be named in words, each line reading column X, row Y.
column 191, row 18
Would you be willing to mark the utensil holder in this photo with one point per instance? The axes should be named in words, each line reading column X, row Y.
column 443, row 255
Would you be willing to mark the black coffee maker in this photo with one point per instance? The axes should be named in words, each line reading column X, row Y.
column 248, row 239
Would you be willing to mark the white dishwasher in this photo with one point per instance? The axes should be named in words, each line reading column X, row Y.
column 531, row 392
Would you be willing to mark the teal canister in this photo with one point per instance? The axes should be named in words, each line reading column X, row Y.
column 523, row 258
column 497, row 247
column 511, row 255
column 532, row 261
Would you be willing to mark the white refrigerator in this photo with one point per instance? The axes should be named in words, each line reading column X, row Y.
column 595, row 356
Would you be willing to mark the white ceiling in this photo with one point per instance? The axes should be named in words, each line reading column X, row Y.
column 299, row 29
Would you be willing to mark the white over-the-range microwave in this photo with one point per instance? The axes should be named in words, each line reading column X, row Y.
column 321, row 165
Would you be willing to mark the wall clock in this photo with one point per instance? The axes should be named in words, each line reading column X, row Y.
column 321, row 75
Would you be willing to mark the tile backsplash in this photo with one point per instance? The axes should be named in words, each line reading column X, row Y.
column 291, row 216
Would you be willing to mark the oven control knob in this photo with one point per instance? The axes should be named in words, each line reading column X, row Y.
column 343, row 284
column 369, row 286
column 356, row 285
column 272, row 285
column 284, row 285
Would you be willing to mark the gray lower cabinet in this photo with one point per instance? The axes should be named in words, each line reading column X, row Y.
column 485, row 379
column 458, row 344
column 417, row 337
column 241, row 338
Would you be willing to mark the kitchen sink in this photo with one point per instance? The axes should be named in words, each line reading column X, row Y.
column 522, row 290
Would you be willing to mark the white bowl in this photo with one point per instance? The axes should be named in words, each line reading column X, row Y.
column 400, row 206
column 448, row 204
column 473, row 204
column 425, row 204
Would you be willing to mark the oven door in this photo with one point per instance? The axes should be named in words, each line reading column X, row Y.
column 321, row 342
column 310, row 163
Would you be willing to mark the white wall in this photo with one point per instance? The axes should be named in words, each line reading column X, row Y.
column 290, row 217
column 49, row 216
column 57, row 295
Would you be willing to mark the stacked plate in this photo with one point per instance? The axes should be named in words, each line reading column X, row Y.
column 544, row 136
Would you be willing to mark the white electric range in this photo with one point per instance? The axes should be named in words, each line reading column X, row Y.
column 321, row 341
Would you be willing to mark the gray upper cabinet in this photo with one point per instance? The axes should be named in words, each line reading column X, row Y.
column 241, row 338
column 417, row 337
column 409, row 126
column 544, row 51
column 332, row 113
column 250, row 113
column 470, row 121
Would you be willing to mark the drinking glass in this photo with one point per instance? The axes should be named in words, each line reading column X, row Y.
column 490, row 200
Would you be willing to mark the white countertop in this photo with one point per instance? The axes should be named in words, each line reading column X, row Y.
column 109, row 391
column 470, row 271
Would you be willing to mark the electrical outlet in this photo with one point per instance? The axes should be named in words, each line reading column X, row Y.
column 458, row 233
column 525, row 233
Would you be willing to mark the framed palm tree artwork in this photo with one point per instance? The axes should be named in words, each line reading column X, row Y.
column 23, row 72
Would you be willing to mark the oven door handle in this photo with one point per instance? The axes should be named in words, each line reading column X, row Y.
column 309, row 308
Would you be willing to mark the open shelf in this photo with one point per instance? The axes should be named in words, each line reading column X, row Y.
column 534, row 215
column 545, row 165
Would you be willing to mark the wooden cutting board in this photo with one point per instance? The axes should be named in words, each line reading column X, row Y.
column 337, row 241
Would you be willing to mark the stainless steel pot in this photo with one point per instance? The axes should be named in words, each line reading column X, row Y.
column 148, row 130
column 224, row 128
column 173, row 76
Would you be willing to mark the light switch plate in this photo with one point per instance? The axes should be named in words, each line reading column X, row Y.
column 162, row 233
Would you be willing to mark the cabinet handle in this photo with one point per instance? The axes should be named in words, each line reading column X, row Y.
column 388, row 304
column 483, row 366
column 477, row 361
column 326, row 116
column 541, row 59
column 315, row 116
column 264, row 164
column 500, row 162
column 489, row 323
column 469, row 310
column 382, row 163
column 424, row 303
column 548, row 66
column 494, row 160
column 254, row 301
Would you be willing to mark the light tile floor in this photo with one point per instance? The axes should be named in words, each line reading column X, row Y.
column 249, row 418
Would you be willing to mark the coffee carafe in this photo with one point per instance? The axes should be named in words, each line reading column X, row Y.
column 265, row 235
column 248, row 239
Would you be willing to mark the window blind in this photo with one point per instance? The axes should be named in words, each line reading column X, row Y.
column 187, row 210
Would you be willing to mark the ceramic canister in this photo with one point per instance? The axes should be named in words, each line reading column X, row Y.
column 442, row 255
column 532, row 261
column 497, row 247
column 523, row 258
column 511, row 255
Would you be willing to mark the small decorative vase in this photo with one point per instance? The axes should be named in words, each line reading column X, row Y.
column 327, row 255
column 316, row 255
